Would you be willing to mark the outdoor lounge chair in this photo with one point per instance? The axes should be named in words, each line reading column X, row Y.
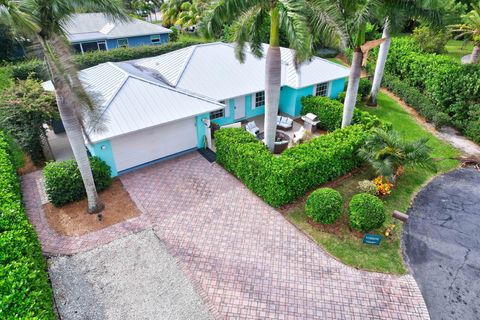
column 284, row 123
column 252, row 128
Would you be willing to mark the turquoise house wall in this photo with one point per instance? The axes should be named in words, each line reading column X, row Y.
column 337, row 86
column 105, row 154
column 290, row 99
column 201, row 129
column 250, row 109
column 229, row 114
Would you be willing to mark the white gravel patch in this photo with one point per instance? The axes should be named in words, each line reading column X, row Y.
column 130, row 278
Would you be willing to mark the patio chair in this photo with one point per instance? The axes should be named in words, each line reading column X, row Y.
column 284, row 123
column 298, row 135
column 252, row 128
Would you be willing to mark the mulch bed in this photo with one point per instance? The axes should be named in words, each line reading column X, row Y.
column 73, row 219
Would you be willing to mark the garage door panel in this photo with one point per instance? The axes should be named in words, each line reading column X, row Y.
column 151, row 144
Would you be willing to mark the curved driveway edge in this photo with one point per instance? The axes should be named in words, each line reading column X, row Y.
column 443, row 245
column 247, row 261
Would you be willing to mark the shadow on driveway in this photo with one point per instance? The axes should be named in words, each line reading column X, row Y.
column 442, row 243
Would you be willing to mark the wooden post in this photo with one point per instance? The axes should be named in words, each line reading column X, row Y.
column 400, row 215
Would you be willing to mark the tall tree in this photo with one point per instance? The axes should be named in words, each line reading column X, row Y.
column 288, row 15
column 393, row 14
column 352, row 17
column 45, row 19
column 470, row 30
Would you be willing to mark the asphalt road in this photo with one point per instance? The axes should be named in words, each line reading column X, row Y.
column 442, row 244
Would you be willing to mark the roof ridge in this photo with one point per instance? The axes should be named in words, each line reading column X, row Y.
column 185, row 64
column 174, row 89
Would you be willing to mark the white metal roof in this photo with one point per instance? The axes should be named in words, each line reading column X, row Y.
column 97, row 26
column 131, row 102
column 213, row 71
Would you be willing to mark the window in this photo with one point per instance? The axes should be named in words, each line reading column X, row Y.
column 259, row 99
column 216, row 114
column 155, row 39
column 122, row 43
column 322, row 89
column 102, row 46
column 77, row 48
column 90, row 46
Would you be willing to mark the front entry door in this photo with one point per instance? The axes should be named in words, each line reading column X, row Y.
column 239, row 107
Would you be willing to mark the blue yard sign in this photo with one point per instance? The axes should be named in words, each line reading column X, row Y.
column 372, row 239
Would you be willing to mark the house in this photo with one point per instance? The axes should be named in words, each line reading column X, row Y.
column 162, row 106
column 96, row 31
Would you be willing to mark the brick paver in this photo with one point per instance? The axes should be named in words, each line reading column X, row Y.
column 243, row 257
column 248, row 261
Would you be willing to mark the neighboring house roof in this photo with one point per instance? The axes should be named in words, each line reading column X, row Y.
column 97, row 26
column 212, row 70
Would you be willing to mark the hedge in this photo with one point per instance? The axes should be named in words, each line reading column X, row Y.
column 94, row 58
column 64, row 184
column 280, row 180
column 329, row 113
column 25, row 291
column 36, row 68
column 451, row 90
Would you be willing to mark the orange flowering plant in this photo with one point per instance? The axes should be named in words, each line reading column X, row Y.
column 384, row 186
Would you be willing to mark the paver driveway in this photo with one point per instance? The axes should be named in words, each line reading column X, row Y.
column 247, row 261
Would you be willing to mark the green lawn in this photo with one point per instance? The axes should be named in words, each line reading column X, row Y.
column 457, row 49
column 387, row 257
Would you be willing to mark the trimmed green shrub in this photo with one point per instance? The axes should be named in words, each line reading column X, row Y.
column 431, row 41
column 64, row 184
column 366, row 212
column 280, row 180
column 324, row 205
column 25, row 292
column 34, row 68
column 174, row 35
column 93, row 58
column 24, row 109
column 364, row 88
column 329, row 113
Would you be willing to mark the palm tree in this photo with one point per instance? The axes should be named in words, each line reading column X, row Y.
column 470, row 30
column 351, row 16
column 249, row 15
column 171, row 10
column 394, row 13
column 191, row 13
column 44, row 19
column 388, row 153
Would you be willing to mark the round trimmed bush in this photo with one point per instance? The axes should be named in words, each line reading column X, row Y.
column 64, row 184
column 366, row 212
column 324, row 205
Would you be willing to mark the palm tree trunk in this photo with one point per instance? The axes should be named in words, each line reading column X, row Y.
column 75, row 137
column 273, row 72
column 352, row 89
column 66, row 98
column 475, row 54
column 380, row 66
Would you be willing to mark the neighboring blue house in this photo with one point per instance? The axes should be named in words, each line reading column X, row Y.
column 95, row 31
column 159, row 107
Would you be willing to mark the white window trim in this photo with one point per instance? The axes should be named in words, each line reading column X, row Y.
column 118, row 44
column 226, row 112
column 254, row 100
column 223, row 114
column 159, row 39
column 329, row 89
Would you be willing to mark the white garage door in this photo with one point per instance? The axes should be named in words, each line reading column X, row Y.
column 151, row 144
